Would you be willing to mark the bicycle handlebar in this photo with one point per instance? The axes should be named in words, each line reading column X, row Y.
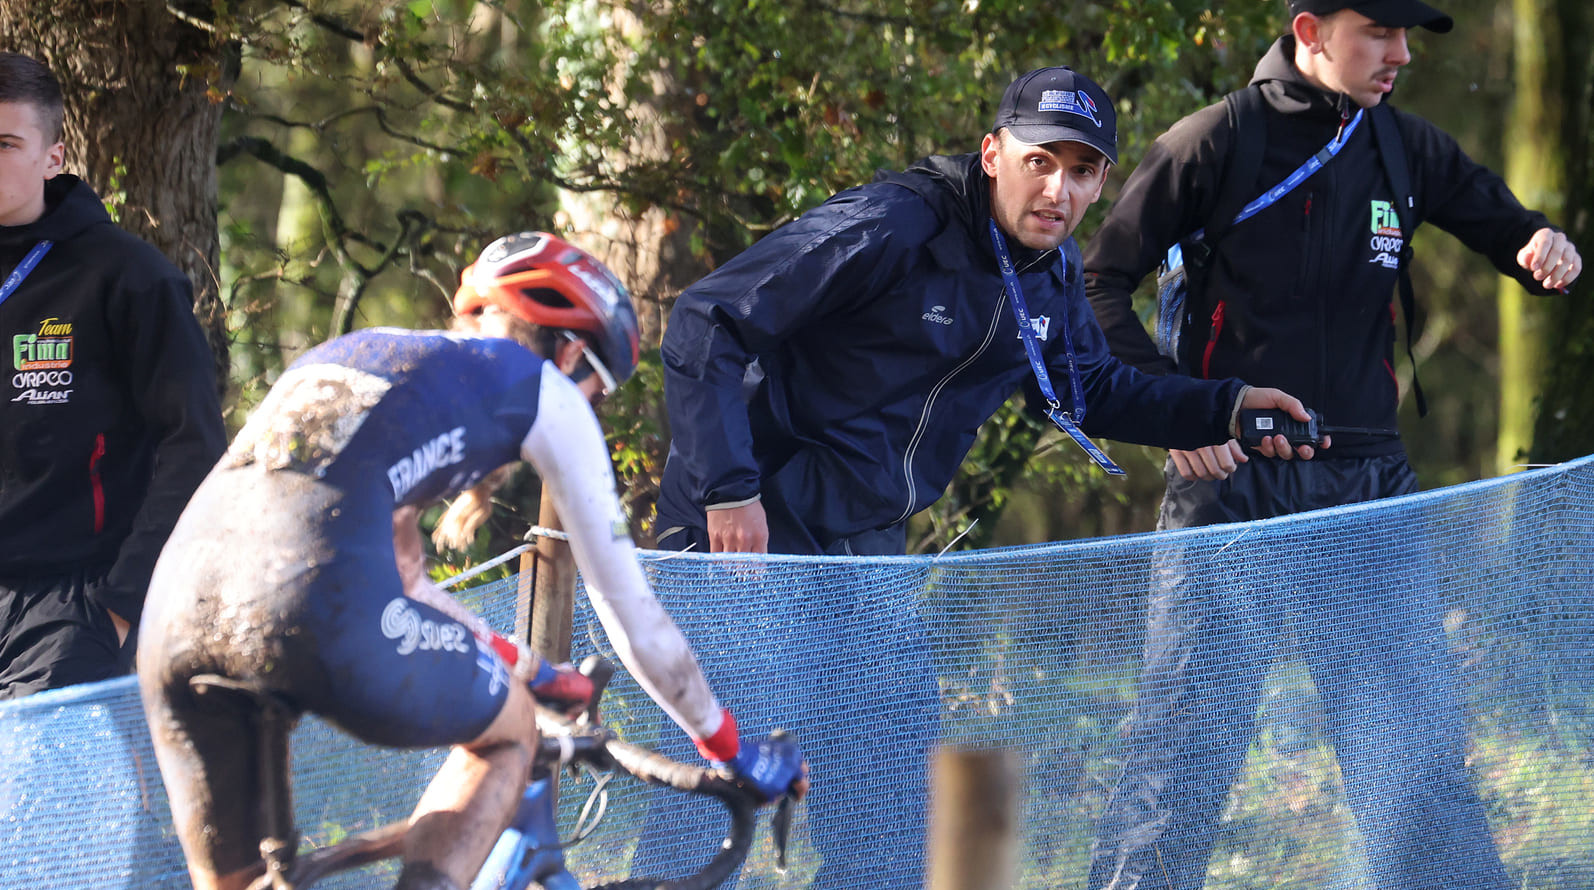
column 565, row 741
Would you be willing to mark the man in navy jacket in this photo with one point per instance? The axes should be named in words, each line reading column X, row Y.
column 825, row 385
column 882, row 336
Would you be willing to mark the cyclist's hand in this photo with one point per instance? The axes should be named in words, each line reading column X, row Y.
column 773, row 767
column 561, row 687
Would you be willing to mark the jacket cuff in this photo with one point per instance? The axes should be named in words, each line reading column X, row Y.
column 731, row 505
column 1234, row 413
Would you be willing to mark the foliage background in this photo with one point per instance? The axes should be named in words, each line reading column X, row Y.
column 365, row 151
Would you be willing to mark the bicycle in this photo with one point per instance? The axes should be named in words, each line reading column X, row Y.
column 529, row 852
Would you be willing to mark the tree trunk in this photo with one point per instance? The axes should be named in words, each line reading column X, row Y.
column 142, row 82
column 1565, row 422
column 1536, row 169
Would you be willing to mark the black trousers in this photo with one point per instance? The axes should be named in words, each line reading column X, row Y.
column 53, row 634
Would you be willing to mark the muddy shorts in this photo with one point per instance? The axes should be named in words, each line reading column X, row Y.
column 290, row 587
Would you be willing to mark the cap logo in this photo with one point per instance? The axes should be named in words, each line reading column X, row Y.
column 1069, row 102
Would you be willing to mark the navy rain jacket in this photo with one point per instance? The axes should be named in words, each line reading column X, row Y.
column 884, row 336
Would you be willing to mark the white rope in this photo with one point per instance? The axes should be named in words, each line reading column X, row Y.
column 957, row 539
column 542, row 531
column 495, row 561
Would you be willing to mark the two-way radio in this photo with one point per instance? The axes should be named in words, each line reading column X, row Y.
column 1258, row 424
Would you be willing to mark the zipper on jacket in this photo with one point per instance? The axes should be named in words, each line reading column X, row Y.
column 96, row 484
column 1212, row 339
column 940, row 386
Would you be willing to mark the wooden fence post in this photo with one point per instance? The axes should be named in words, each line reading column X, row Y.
column 546, row 594
column 974, row 807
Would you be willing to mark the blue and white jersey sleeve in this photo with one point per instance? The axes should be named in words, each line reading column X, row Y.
column 567, row 448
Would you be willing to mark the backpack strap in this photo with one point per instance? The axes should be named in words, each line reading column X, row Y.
column 1181, row 288
column 1392, row 154
column 1244, row 164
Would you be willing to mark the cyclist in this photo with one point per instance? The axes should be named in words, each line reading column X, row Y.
column 297, row 568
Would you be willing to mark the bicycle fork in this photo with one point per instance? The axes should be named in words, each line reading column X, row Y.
column 528, row 851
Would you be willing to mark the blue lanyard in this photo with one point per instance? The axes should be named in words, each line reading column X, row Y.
column 1068, row 422
column 14, row 280
column 1312, row 165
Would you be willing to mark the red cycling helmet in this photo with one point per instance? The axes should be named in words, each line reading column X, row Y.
column 548, row 281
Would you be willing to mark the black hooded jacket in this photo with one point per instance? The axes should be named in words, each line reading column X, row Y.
column 109, row 417
column 1299, row 296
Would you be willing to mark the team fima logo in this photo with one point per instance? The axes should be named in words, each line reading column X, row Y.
column 1387, row 241
column 43, row 364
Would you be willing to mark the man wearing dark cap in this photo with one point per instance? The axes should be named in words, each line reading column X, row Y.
column 1299, row 296
column 883, row 335
column 825, row 385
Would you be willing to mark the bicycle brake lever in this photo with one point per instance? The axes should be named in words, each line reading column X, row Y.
column 780, row 821
column 599, row 670
column 780, row 830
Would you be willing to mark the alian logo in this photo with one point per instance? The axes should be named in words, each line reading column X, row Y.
column 934, row 315
column 1069, row 102
column 1387, row 241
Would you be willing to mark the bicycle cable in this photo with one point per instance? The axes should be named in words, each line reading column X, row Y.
column 599, row 793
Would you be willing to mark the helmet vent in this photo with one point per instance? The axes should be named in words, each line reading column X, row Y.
column 547, row 297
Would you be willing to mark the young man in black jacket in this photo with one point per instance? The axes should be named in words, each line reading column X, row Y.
column 109, row 415
column 1299, row 297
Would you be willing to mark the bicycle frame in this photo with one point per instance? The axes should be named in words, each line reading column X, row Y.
column 529, row 850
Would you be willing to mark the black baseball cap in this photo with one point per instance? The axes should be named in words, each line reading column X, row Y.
column 1389, row 13
column 1059, row 105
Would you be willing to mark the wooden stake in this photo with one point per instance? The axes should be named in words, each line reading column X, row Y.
column 974, row 803
column 547, row 591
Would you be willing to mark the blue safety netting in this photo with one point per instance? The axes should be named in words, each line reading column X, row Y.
column 1432, row 654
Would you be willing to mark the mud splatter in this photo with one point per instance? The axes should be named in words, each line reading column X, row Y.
column 307, row 419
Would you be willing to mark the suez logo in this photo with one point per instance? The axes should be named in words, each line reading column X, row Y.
column 43, row 362
column 1387, row 241
column 402, row 623
column 440, row 451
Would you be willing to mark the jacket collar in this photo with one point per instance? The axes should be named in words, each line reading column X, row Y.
column 1289, row 92
column 959, row 191
column 70, row 206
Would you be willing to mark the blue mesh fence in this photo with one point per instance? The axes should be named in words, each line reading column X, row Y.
column 1379, row 695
